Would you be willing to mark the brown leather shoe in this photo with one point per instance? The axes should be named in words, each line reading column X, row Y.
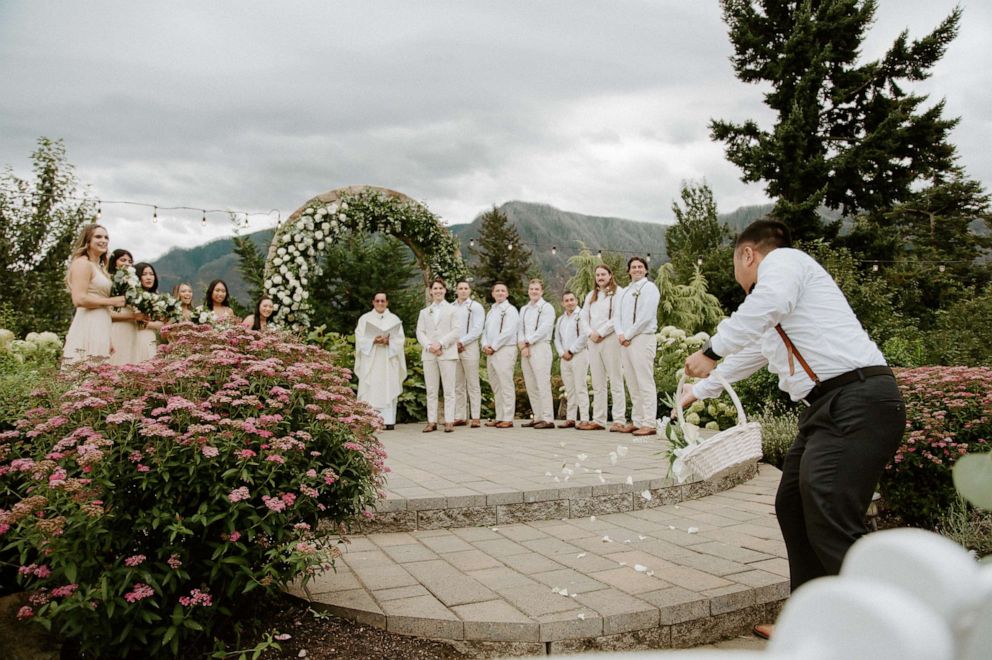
column 590, row 426
column 448, row 428
column 764, row 630
column 429, row 428
column 491, row 423
column 617, row 427
column 504, row 425
column 630, row 428
column 543, row 425
column 460, row 422
column 569, row 424
column 474, row 424
column 529, row 424
column 645, row 430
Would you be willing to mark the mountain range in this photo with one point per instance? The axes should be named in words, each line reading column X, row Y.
column 552, row 235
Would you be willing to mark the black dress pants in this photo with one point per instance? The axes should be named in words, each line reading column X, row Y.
column 846, row 438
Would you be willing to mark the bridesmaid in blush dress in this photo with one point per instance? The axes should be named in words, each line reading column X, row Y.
column 216, row 302
column 146, row 341
column 183, row 292
column 124, row 330
column 89, row 284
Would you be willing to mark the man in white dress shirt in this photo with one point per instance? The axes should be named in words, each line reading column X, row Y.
column 537, row 323
column 636, row 325
column 499, row 343
column 468, row 393
column 438, row 329
column 380, row 362
column 571, row 339
column 604, row 352
column 854, row 417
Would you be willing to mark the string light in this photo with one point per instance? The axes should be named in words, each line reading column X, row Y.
column 554, row 250
column 155, row 216
column 99, row 210
column 509, row 246
column 471, row 243
column 203, row 221
column 599, row 254
column 699, row 261
column 874, row 268
column 649, row 257
column 941, row 268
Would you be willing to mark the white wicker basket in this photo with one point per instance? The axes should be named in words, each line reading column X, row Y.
column 734, row 446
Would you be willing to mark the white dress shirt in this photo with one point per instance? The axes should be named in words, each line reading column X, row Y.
column 571, row 332
column 537, row 322
column 638, row 309
column 474, row 323
column 601, row 314
column 501, row 326
column 795, row 291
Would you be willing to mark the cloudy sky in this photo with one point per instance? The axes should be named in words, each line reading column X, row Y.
column 593, row 107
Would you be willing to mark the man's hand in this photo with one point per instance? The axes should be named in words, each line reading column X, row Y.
column 595, row 337
column 461, row 347
column 488, row 350
column 566, row 356
column 620, row 339
column 525, row 351
column 698, row 365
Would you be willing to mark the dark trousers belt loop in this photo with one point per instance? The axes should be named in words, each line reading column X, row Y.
column 845, row 379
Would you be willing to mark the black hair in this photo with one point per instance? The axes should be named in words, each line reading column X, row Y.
column 766, row 235
column 208, row 301
column 641, row 259
column 256, row 321
column 114, row 256
column 139, row 270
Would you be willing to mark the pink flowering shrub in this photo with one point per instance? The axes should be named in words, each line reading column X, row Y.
column 146, row 505
column 948, row 414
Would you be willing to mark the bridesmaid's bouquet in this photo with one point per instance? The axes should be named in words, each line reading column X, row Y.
column 126, row 283
column 201, row 315
column 156, row 306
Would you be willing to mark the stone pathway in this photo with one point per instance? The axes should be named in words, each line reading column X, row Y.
column 655, row 575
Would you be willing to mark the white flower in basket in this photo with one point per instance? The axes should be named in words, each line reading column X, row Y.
column 689, row 453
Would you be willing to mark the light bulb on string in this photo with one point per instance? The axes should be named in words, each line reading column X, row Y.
column 509, row 246
column 554, row 250
column 99, row 211
column 155, row 216
column 471, row 242
column 203, row 221
column 874, row 268
column 699, row 261
column 599, row 254
column 941, row 268
column 649, row 257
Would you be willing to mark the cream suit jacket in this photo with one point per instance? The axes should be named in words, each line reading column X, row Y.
column 443, row 327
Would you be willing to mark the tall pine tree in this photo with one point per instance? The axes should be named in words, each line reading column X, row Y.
column 847, row 134
column 501, row 257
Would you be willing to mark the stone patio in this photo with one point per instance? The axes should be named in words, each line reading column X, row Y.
column 593, row 565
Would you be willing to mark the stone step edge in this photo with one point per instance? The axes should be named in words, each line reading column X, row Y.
column 401, row 515
column 675, row 626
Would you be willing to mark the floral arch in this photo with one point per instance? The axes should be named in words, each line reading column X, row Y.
column 294, row 255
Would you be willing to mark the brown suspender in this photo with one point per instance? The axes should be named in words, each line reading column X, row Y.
column 792, row 350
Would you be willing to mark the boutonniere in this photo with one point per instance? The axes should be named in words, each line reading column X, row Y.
column 431, row 310
column 637, row 293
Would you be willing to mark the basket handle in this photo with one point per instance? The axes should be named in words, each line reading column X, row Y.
column 741, row 417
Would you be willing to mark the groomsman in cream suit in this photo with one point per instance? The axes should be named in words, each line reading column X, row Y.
column 499, row 343
column 571, row 340
column 636, row 325
column 605, row 364
column 537, row 322
column 468, row 394
column 438, row 330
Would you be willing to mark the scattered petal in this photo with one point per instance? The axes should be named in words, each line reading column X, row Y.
column 557, row 479
column 613, row 458
column 592, row 518
column 641, row 537
column 621, row 451
column 580, row 555
column 582, row 457
column 649, row 573
column 646, row 494
column 692, row 530
column 627, row 541
column 677, row 506
column 547, row 474
column 495, row 529
column 573, row 595
column 602, row 479
column 630, row 480
column 622, row 563
column 581, row 616
column 599, row 471
column 282, row 637
column 607, row 539
column 640, row 568
column 671, row 527
column 302, row 653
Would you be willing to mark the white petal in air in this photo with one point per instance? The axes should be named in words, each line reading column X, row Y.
column 646, row 494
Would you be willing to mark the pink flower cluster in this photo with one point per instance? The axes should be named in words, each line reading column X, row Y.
column 134, row 560
column 140, row 591
column 239, row 494
column 39, row 571
column 196, row 598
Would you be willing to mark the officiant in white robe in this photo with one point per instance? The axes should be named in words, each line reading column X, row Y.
column 380, row 361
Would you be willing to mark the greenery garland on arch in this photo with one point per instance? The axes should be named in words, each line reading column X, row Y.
column 294, row 256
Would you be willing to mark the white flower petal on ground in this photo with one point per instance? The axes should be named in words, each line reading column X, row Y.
column 627, row 541
column 649, row 573
column 630, row 480
column 613, row 458
column 592, row 518
column 646, row 494
column 671, row 527
column 621, row 451
column 693, row 530
column 580, row 555
column 640, row 568
column 282, row 637
column 606, row 539
column 581, row 616
column 582, row 457
column 547, row 474
column 641, row 537
column 602, row 480
column 557, row 479
column 622, row 563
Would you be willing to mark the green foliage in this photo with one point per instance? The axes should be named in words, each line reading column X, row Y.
column 584, row 264
column 962, row 334
column 251, row 264
column 689, row 306
column 968, row 526
column 760, row 393
column 148, row 507
column 846, row 134
column 39, row 221
column 358, row 266
column 779, row 427
column 674, row 346
column 24, row 366
column 948, row 415
column 501, row 257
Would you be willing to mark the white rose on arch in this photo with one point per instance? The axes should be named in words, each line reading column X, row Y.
column 320, row 245
column 277, row 279
column 281, row 251
column 321, row 211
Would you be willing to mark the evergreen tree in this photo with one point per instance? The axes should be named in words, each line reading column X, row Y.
column 355, row 268
column 698, row 241
column 686, row 306
column 585, row 263
column 39, row 221
column 501, row 257
column 846, row 135
column 251, row 263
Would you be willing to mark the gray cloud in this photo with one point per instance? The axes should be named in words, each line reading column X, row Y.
column 600, row 108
